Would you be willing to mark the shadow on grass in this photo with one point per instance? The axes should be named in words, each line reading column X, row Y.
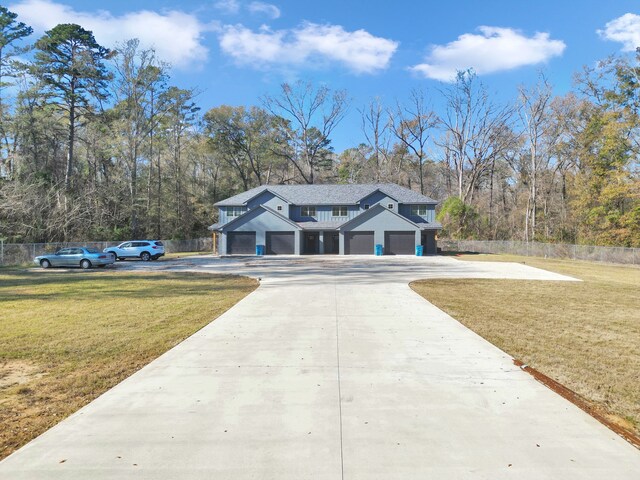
column 95, row 284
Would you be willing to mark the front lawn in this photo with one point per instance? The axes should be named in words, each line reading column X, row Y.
column 68, row 336
column 585, row 335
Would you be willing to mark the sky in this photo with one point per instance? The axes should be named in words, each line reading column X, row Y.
column 234, row 52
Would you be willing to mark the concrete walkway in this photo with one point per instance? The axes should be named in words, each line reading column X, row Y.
column 333, row 369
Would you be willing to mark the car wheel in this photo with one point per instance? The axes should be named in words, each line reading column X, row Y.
column 145, row 256
column 45, row 263
column 114, row 256
column 85, row 264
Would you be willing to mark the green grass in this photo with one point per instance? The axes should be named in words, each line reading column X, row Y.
column 585, row 335
column 66, row 337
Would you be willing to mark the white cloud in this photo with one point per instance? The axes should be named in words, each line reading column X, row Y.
column 624, row 29
column 228, row 6
column 494, row 49
column 264, row 8
column 175, row 35
column 309, row 44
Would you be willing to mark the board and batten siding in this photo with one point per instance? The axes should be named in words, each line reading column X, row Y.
column 324, row 213
column 378, row 197
column 223, row 217
column 271, row 201
column 405, row 211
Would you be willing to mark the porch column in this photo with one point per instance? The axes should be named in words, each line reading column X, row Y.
column 297, row 241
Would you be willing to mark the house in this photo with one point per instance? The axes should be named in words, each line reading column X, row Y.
column 327, row 219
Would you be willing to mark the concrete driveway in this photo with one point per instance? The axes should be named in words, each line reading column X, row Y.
column 333, row 369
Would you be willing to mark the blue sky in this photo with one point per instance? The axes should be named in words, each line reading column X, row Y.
column 235, row 51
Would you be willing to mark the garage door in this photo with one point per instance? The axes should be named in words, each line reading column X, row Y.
column 241, row 243
column 280, row 243
column 399, row 243
column 358, row 243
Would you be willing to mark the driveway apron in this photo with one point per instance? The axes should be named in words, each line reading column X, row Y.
column 332, row 369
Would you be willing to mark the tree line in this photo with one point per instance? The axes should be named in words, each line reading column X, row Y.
column 97, row 144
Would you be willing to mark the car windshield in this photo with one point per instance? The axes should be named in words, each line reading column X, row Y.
column 93, row 250
column 159, row 244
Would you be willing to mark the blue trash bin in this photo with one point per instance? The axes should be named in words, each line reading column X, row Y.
column 260, row 250
column 378, row 250
column 419, row 250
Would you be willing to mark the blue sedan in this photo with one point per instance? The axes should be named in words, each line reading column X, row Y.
column 82, row 257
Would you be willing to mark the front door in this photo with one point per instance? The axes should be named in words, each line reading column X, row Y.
column 331, row 243
column 311, row 242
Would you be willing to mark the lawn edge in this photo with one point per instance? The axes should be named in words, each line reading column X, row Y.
column 593, row 409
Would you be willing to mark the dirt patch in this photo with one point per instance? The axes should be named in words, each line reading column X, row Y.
column 615, row 423
column 17, row 372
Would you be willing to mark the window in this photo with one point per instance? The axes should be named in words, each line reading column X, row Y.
column 308, row 211
column 279, row 208
column 366, row 206
column 419, row 210
column 339, row 211
column 390, row 206
column 234, row 211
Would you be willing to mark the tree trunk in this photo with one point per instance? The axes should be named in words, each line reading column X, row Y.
column 72, row 138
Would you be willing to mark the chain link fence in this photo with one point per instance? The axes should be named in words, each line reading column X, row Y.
column 21, row 253
column 630, row 256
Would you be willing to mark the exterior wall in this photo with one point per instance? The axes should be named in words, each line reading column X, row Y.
column 223, row 217
column 383, row 221
column 259, row 221
column 430, row 217
column 323, row 213
column 271, row 201
column 375, row 198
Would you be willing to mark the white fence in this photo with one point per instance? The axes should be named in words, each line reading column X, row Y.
column 21, row 253
column 625, row 255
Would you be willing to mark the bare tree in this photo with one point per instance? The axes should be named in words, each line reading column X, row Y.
column 376, row 130
column 138, row 77
column 306, row 117
column 412, row 125
column 475, row 132
column 244, row 138
column 534, row 106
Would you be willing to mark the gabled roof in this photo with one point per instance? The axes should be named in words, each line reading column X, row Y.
column 218, row 226
column 381, row 191
column 375, row 210
column 350, row 194
column 261, row 191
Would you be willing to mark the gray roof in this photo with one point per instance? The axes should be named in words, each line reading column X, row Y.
column 320, row 225
column 329, row 194
column 429, row 226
